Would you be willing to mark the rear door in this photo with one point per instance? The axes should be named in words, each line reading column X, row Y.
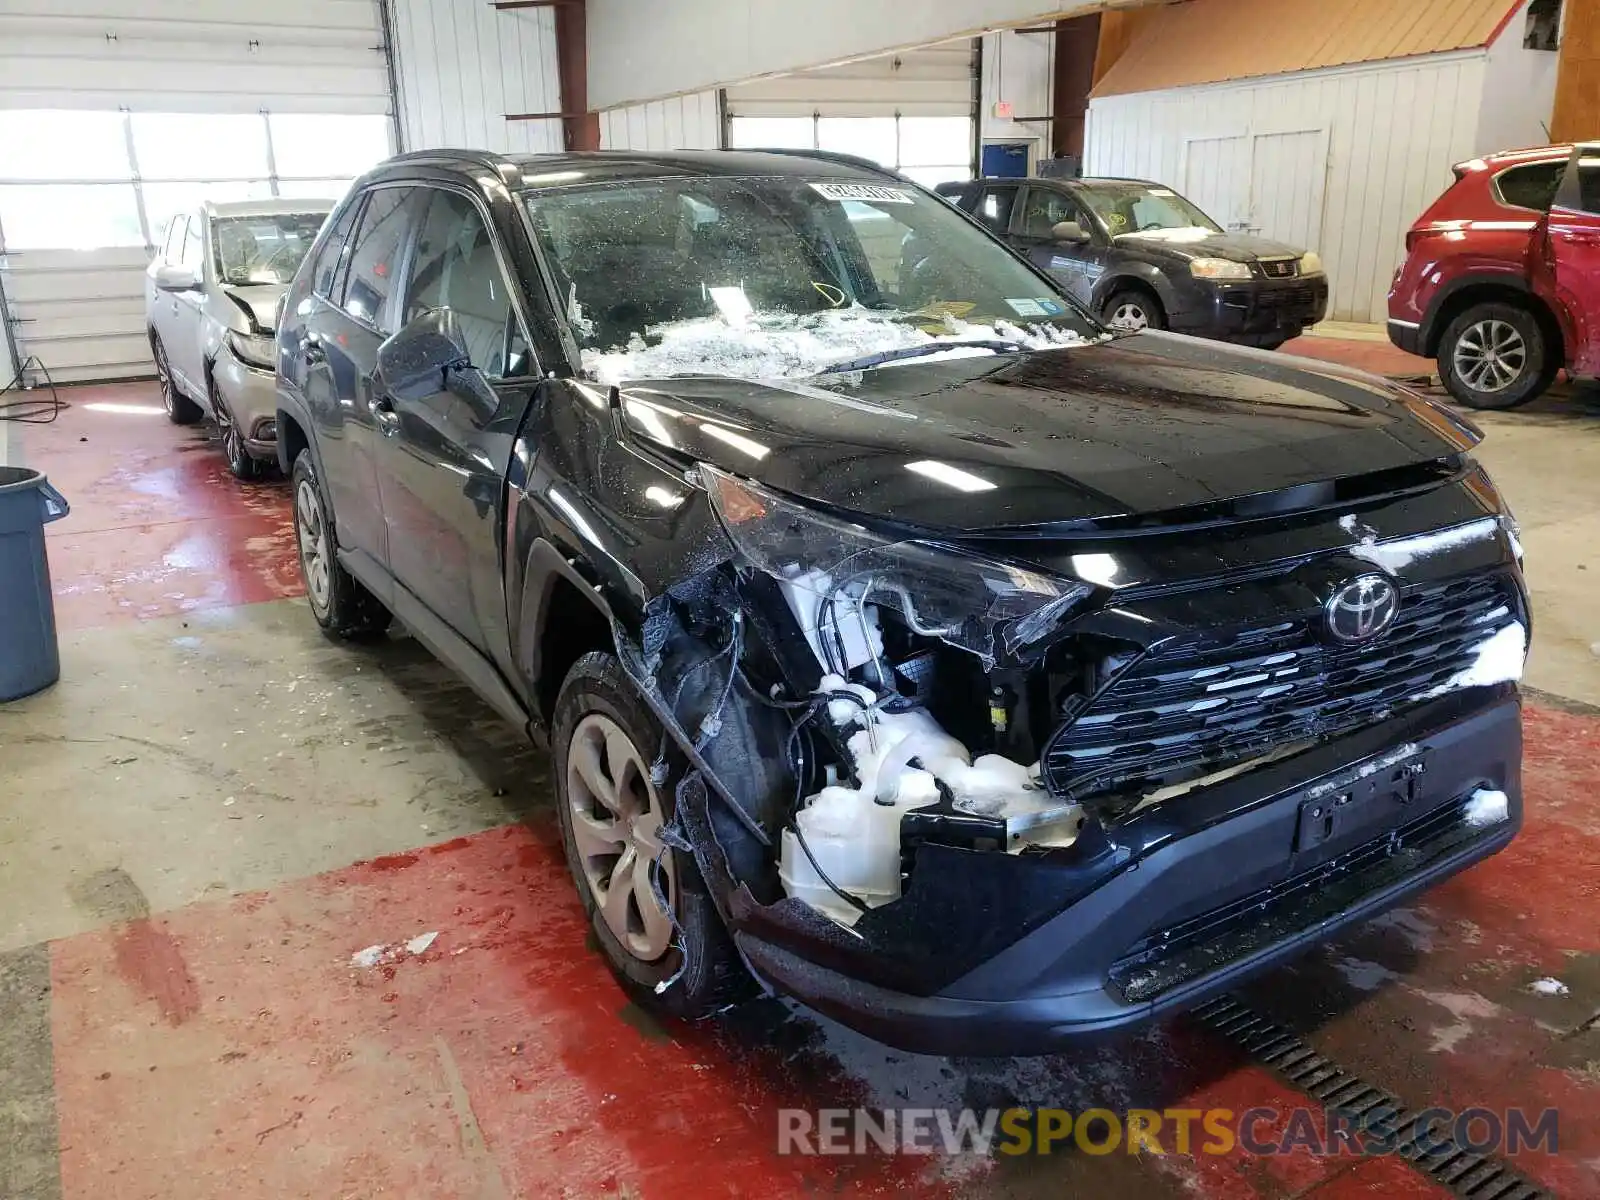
column 443, row 458
column 160, row 306
column 182, row 341
column 349, row 329
column 1572, row 253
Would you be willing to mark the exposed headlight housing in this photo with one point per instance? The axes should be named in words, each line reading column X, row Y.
column 975, row 603
column 1311, row 263
column 254, row 350
column 1218, row 268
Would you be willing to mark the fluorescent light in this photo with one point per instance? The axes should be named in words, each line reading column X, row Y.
column 737, row 440
column 962, row 481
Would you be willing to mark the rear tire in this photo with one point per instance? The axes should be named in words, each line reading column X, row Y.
column 1133, row 310
column 1496, row 356
column 345, row 609
column 605, row 738
column 180, row 409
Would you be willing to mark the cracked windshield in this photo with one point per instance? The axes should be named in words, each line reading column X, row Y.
column 263, row 249
column 779, row 277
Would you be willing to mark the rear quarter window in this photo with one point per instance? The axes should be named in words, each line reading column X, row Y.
column 1532, row 186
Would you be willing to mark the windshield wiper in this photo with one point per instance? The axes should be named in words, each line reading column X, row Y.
column 886, row 356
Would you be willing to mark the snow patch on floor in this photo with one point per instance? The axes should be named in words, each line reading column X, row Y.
column 1498, row 659
column 787, row 346
column 388, row 952
column 1548, row 987
column 1396, row 555
column 1362, row 975
column 1465, row 1008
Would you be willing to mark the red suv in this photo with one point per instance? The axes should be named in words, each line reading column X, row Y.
column 1501, row 281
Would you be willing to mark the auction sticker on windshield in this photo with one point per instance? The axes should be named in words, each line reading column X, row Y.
column 863, row 191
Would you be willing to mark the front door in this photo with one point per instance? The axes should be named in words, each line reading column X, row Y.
column 184, row 354
column 1075, row 264
column 1572, row 252
column 444, row 456
column 349, row 330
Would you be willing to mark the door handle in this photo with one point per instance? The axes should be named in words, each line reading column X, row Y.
column 384, row 414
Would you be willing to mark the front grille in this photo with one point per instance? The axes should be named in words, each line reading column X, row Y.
column 1210, row 701
column 1280, row 268
column 1292, row 297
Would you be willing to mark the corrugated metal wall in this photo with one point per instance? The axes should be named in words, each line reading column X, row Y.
column 681, row 123
column 1392, row 132
column 463, row 65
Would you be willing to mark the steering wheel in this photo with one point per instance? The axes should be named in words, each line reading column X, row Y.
column 1152, row 225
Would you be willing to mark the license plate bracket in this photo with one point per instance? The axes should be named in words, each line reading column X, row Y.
column 1370, row 794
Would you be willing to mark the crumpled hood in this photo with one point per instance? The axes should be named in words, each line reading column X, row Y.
column 1142, row 424
column 260, row 299
column 1235, row 247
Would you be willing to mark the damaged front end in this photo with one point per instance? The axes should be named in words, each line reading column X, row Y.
column 904, row 758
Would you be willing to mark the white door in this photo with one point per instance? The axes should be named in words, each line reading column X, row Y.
column 1288, row 173
column 1216, row 176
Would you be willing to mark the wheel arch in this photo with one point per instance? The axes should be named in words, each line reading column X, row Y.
column 1493, row 289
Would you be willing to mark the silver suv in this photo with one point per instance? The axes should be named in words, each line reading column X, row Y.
column 211, row 298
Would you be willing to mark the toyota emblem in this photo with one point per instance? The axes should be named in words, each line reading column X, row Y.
column 1361, row 609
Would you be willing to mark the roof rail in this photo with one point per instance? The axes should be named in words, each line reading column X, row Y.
column 484, row 158
column 833, row 156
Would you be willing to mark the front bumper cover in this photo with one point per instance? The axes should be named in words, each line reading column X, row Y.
column 251, row 395
column 1217, row 891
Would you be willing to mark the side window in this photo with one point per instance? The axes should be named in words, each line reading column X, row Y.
column 332, row 252
column 1589, row 184
column 375, row 256
column 1044, row 210
column 1533, row 186
column 994, row 208
column 172, row 251
column 455, row 267
column 194, row 245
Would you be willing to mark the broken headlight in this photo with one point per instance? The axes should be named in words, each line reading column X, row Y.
column 834, row 571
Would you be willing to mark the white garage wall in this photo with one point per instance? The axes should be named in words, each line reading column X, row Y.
column 679, row 123
column 669, row 47
column 1018, row 68
column 462, row 66
column 1392, row 132
column 1519, row 92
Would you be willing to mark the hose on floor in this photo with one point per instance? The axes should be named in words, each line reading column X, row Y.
column 28, row 408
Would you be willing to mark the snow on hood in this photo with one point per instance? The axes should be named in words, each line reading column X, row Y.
column 786, row 346
column 1397, row 554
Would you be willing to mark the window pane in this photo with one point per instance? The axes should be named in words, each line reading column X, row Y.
column 46, row 144
column 869, row 137
column 783, row 133
column 377, row 248
column 312, row 145
column 69, row 217
column 994, row 208
column 200, row 146
column 932, row 141
column 1533, row 186
column 331, row 190
column 1589, row 184
column 161, row 200
column 332, row 252
column 265, row 249
column 455, row 268
column 933, row 176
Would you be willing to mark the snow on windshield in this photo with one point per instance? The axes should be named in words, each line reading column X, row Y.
column 786, row 346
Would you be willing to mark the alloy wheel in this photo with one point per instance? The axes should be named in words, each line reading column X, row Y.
column 315, row 557
column 164, row 379
column 616, row 817
column 1130, row 315
column 1490, row 356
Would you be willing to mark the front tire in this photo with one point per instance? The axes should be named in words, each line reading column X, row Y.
column 1133, row 310
column 612, row 814
column 1496, row 356
column 180, row 409
column 341, row 605
column 244, row 465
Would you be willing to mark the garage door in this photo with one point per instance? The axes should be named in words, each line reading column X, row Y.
column 913, row 111
column 115, row 115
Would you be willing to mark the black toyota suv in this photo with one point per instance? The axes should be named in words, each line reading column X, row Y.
column 905, row 641
column 1145, row 257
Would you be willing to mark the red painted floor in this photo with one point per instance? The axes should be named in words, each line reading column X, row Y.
column 232, row 1049
column 1381, row 358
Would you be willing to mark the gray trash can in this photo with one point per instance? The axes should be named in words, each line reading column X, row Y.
column 29, row 658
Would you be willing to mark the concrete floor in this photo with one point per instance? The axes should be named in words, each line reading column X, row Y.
column 216, row 808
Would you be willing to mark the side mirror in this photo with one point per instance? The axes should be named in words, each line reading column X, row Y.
column 417, row 361
column 170, row 277
column 1068, row 231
